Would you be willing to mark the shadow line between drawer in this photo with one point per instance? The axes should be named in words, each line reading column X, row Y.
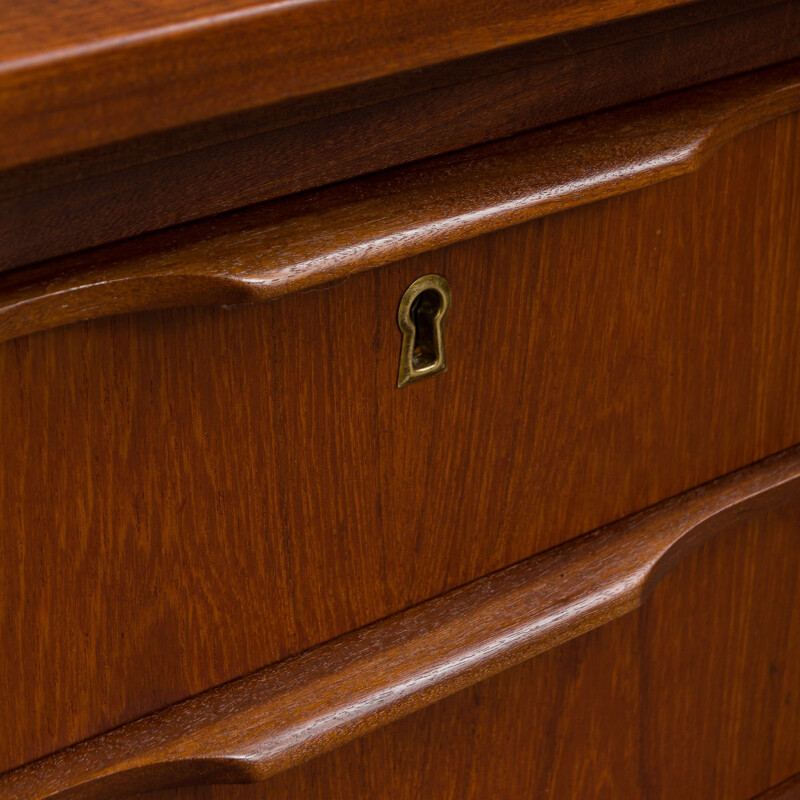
column 317, row 237
column 291, row 711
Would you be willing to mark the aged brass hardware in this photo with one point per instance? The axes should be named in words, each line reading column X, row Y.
column 422, row 310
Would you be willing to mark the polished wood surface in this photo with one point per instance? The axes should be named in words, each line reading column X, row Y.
column 787, row 790
column 305, row 241
column 193, row 494
column 160, row 180
column 82, row 74
column 238, row 545
column 283, row 715
column 695, row 695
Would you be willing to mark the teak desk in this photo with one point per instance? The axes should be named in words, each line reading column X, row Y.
column 399, row 400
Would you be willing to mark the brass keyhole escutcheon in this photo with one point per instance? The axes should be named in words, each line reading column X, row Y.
column 422, row 310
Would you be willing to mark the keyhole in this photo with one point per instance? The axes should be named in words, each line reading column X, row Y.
column 420, row 315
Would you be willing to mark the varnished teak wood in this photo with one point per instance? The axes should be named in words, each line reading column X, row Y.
column 265, row 499
column 788, row 790
column 303, row 242
column 105, row 74
column 160, row 180
column 254, row 727
column 192, row 494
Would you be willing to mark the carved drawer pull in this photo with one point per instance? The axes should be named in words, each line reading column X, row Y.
column 297, row 242
column 291, row 711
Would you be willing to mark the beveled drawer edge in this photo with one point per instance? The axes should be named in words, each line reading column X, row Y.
column 317, row 237
column 176, row 176
column 291, row 711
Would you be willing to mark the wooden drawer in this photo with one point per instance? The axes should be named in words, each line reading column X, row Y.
column 191, row 494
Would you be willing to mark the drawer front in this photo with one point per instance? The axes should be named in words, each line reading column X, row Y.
column 191, row 494
column 694, row 695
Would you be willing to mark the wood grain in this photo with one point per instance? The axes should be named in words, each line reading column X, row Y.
column 788, row 790
column 302, row 242
column 693, row 695
column 162, row 180
column 285, row 714
column 75, row 76
column 189, row 495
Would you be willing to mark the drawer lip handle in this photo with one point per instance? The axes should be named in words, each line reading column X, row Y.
column 291, row 711
column 298, row 242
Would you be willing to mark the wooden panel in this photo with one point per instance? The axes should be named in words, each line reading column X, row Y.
column 158, row 181
column 78, row 75
column 191, row 494
column 788, row 790
column 249, row 729
column 696, row 695
column 312, row 239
